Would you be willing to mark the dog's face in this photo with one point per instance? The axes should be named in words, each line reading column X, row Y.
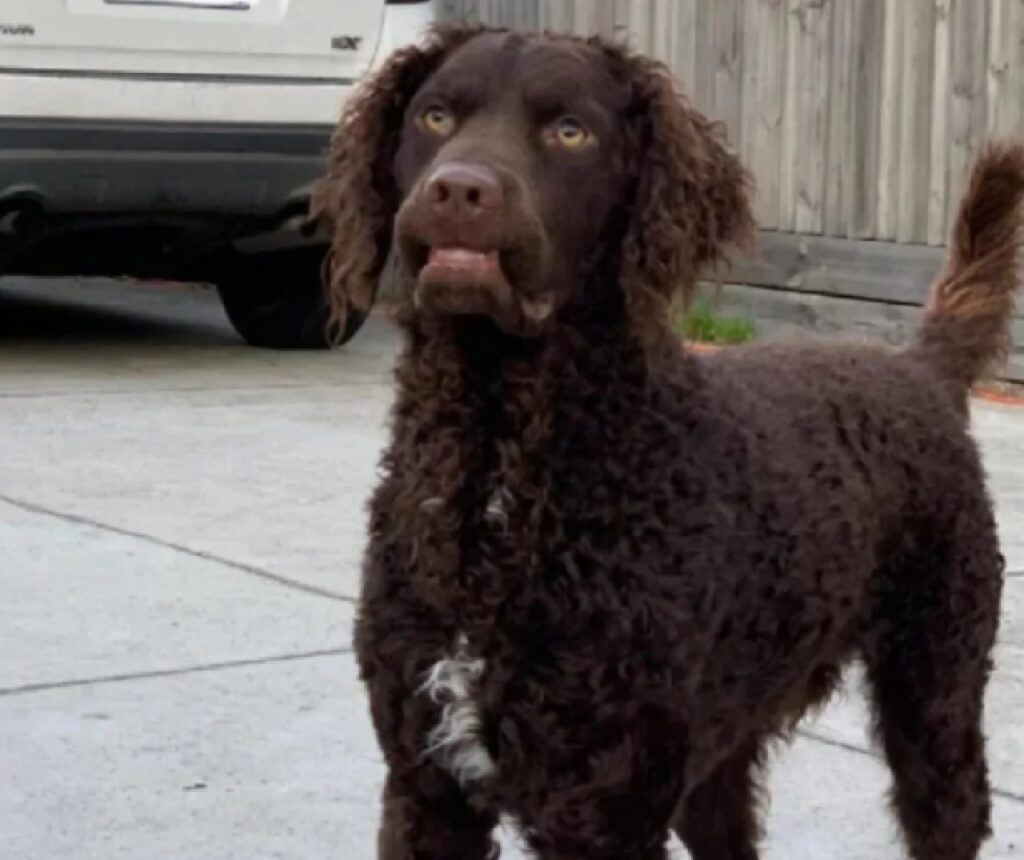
column 509, row 163
column 503, row 168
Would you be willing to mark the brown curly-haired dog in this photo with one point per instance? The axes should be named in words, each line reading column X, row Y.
column 602, row 571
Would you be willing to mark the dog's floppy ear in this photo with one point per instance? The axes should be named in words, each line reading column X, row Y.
column 357, row 198
column 692, row 197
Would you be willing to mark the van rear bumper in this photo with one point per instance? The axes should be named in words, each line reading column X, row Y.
column 87, row 166
column 163, row 98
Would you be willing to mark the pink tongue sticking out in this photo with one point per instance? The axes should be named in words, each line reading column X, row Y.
column 463, row 258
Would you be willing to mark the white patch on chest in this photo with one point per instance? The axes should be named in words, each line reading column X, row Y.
column 455, row 742
column 496, row 512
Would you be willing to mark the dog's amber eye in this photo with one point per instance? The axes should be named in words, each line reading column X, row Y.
column 437, row 120
column 570, row 133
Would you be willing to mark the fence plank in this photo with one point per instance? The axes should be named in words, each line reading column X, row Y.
column 448, row 10
column 805, row 115
column 728, row 43
column 528, row 14
column 791, row 317
column 764, row 68
column 583, row 17
column 781, row 315
column 884, row 272
column 865, row 133
column 684, row 56
column 838, row 161
column 493, row 11
column 880, row 271
column 623, row 17
column 556, row 16
column 1005, row 78
column 606, row 16
column 890, row 106
column 637, row 19
column 967, row 109
column 594, row 17
column 749, row 74
column 791, row 132
column 915, row 120
column 1008, row 93
column 703, row 75
column 938, row 167
column 664, row 30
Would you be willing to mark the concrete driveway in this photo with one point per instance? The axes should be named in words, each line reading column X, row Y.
column 181, row 523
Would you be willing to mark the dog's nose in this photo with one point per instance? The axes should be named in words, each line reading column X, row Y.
column 464, row 190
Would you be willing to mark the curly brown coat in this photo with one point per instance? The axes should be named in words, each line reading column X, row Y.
column 603, row 572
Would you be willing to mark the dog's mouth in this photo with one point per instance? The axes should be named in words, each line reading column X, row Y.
column 455, row 266
column 463, row 281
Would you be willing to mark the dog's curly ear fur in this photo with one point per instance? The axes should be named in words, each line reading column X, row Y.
column 357, row 198
column 692, row 196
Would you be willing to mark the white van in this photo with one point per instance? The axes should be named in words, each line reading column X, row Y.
column 178, row 139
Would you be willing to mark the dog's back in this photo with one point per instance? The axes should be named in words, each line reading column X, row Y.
column 898, row 418
column 966, row 326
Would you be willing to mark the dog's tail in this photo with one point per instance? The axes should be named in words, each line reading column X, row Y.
column 966, row 327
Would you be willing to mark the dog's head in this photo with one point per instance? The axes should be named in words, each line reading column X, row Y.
column 504, row 168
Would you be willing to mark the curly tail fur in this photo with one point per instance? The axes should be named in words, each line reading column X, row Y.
column 966, row 327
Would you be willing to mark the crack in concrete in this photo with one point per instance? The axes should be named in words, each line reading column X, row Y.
column 1003, row 793
column 373, row 382
column 241, row 567
column 278, row 579
column 45, row 686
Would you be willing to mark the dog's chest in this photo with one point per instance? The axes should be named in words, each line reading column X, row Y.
column 455, row 741
column 497, row 546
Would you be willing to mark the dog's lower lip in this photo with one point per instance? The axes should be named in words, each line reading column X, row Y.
column 463, row 259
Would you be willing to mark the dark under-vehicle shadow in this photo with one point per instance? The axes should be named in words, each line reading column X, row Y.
column 69, row 311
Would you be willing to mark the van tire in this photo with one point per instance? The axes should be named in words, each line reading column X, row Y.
column 277, row 301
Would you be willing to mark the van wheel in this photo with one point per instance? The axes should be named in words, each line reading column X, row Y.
column 276, row 301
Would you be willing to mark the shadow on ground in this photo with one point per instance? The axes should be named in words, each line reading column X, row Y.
column 86, row 311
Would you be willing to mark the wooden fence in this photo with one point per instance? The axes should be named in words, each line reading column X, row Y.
column 858, row 118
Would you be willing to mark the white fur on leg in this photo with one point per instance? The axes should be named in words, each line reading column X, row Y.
column 455, row 741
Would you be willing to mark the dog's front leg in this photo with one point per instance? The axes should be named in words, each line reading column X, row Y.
column 427, row 813
column 426, row 816
column 578, row 825
column 611, row 800
column 419, row 683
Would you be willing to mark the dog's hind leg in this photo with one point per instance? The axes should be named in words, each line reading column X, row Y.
column 928, row 660
column 718, row 820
